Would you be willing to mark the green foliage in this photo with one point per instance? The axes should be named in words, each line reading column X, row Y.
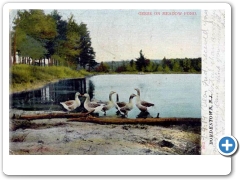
column 103, row 67
column 141, row 62
column 55, row 46
column 37, row 36
column 166, row 69
column 152, row 67
column 87, row 55
column 29, row 47
column 36, row 24
column 131, row 67
column 176, row 67
column 23, row 75
column 187, row 65
column 72, row 43
column 160, row 69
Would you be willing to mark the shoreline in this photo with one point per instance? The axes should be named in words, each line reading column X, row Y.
column 41, row 84
column 59, row 136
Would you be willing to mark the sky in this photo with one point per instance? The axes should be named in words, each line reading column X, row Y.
column 121, row 34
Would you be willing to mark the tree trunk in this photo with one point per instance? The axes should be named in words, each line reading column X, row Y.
column 89, row 67
column 10, row 52
column 85, row 117
column 51, row 61
column 14, row 48
column 51, row 115
column 10, row 59
column 153, row 121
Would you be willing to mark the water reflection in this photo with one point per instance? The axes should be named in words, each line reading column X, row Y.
column 91, row 89
column 173, row 95
column 48, row 97
column 143, row 114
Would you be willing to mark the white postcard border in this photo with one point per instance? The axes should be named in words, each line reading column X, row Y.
column 115, row 165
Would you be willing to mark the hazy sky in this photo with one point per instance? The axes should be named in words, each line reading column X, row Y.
column 121, row 34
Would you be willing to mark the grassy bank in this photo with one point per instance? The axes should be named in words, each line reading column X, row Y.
column 24, row 77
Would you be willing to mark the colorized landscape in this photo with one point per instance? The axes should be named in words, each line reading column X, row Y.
column 75, row 92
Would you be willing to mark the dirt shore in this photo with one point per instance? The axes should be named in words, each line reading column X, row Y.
column 60, row 136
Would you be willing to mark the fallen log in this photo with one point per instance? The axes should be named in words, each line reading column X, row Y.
column 117, row 120
column 50, row 116
column 86, row 117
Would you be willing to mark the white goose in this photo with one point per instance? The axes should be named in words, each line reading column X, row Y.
column 142, row 105
column 110, row 104
column 92, row 106
column 72, row 104
column 128, row 107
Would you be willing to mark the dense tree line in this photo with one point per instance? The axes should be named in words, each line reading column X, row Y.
column 37, row 36
column 41, row 39
column 142, row 64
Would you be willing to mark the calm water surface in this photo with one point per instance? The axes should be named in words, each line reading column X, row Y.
column 174, row 95
column 48, row 97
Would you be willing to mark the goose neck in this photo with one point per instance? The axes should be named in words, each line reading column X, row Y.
column 110, row 97
column 137, row 97
column 87, row 100
column 76, row 97
column 130, row 100
column 117, row 99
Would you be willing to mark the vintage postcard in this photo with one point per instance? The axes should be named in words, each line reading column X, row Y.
column 147, row 79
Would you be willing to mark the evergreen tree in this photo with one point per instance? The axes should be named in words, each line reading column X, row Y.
column 87, row 54
column 71, row 45
column 141, row 62
column 56, row 49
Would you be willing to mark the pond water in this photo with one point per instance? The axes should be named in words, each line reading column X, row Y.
column 49, row 97
column 174, row 95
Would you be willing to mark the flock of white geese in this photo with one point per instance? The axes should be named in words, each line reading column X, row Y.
column 98, row 107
